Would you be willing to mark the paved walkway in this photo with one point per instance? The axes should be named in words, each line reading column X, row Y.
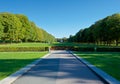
column 59, row 68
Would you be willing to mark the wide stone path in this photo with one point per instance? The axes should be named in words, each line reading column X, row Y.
column 59, row 67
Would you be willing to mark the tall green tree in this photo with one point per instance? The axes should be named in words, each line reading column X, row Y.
column 1, row 29
column 26, row 27
column 17, row 27
column 114, row 27
column 104, row 31
column 11, row 25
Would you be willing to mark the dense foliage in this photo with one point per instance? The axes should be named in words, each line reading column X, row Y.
column 104, row 31
column 18, row 28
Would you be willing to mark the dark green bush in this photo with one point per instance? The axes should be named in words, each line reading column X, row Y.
column 86, row 49
column 108, row 49
column 61, row 48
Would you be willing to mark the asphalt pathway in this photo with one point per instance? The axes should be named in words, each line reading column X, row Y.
column 60, row 67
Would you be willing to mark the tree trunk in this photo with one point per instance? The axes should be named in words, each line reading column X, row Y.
column 116, row 42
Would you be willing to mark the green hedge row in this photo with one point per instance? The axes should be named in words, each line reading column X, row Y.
column 97, row 49
column 91, row 49
column 71, row 48
column 108, row 49
column 83, row 49
column 22, row 49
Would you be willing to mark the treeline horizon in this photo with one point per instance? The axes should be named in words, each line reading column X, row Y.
column 105, row 31
column 18, row 28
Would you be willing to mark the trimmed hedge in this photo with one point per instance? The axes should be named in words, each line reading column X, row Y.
column 61, row 48
column 74, row 48
column 108, row 49
column 22, row 49
column 92, row 49
column 86, row 49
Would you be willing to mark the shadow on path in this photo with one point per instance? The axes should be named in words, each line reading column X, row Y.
column 59, row 68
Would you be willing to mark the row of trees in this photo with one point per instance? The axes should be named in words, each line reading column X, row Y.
column 104, row 31
column 18, row 28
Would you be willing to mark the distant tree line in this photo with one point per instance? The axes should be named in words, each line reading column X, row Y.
column 64, row 39
column 18, row 28
column 105, row 31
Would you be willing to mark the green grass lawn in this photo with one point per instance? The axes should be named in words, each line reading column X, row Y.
column 13, row 61
column 107, row 61
column 25, row 45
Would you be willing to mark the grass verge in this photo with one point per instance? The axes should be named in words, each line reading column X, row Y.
column 13, row 61
column 107, row 61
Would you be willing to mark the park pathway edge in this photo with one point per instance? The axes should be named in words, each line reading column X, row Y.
column 103, row 75
column 17, row 74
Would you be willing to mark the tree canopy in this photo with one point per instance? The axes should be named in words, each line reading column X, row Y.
column 18, row 28
column 104, row 31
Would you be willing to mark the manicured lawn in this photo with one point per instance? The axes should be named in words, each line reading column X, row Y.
column 25, row 45
column 107, row 61
column 13, row 61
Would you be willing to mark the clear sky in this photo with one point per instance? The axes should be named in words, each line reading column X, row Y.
column 62, row 18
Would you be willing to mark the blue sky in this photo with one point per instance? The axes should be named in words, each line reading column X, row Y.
column 62, row 18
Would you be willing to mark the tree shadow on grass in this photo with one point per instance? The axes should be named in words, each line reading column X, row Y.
column 9, row 66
